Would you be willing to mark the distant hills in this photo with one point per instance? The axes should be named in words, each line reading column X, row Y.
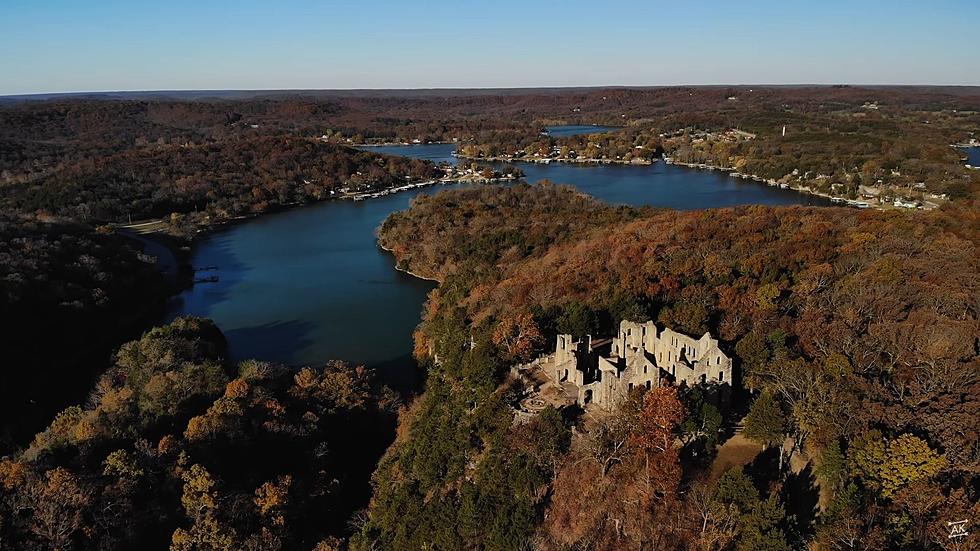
column 190, row 95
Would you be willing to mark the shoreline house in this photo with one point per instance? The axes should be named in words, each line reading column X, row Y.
column 605, row 371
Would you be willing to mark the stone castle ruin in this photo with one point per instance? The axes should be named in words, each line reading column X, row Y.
column 604, row 371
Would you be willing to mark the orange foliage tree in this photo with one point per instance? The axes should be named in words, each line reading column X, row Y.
column 654, row 440
column 518, row 336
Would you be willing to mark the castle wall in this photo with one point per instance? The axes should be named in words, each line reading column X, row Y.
column 640, row 357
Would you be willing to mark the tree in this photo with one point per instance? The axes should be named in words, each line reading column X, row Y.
column 702, row 420
column 199, row 495
column 200, row 501
column 766, row 295
column 759, row 520
column 752, row 350
column 577, row 320
column 832, row 468
column 889, row 465
column 654, row 437
column 767, row 423
column 760, row 527
column 272, row 498
column 607, row 441
column 719, row 521
column 518, row 336
column 624, row 305
column 57, row 503
column 735, row 487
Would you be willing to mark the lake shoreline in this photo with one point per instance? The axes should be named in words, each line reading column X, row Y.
column 405, row 270
column 292, row 289
column 394, row 144
column 180, row 246
column 772, row 182
column 183, row 253
column 549, row 160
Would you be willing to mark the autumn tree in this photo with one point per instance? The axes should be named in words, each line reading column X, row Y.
column 654, row 440
column 887, row 465
column 518, row 337
column 56, row 503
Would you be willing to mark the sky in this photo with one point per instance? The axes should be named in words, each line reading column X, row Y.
column 107, row 45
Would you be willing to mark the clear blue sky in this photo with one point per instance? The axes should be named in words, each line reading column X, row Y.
column 87, row 45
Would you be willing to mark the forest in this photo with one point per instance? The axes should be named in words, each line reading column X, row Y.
column 855, row 334
column 69, row 296
column 203, row 185
column 177, row 447
column 834, row 149
column 110, row 160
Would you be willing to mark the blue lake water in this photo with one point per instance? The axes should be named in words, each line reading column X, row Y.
column 310, row 284
column 660, row 184
column 576, row 129
column 973, row 156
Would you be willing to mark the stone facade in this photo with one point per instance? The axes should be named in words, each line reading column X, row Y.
column 604, row 372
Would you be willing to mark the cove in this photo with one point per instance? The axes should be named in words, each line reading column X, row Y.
column 308, row 285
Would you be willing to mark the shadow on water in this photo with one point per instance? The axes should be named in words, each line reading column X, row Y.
column 213, row 256
column 270, row 341
column 402, row 374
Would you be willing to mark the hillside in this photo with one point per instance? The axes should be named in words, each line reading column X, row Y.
column 854, row 333
column 209, row 183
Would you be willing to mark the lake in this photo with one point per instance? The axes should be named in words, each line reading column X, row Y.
column 973, row 156
column 659, row 184
column 576, row 129
column 310, row 284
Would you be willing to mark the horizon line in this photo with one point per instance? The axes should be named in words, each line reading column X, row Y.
column 28, row 95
